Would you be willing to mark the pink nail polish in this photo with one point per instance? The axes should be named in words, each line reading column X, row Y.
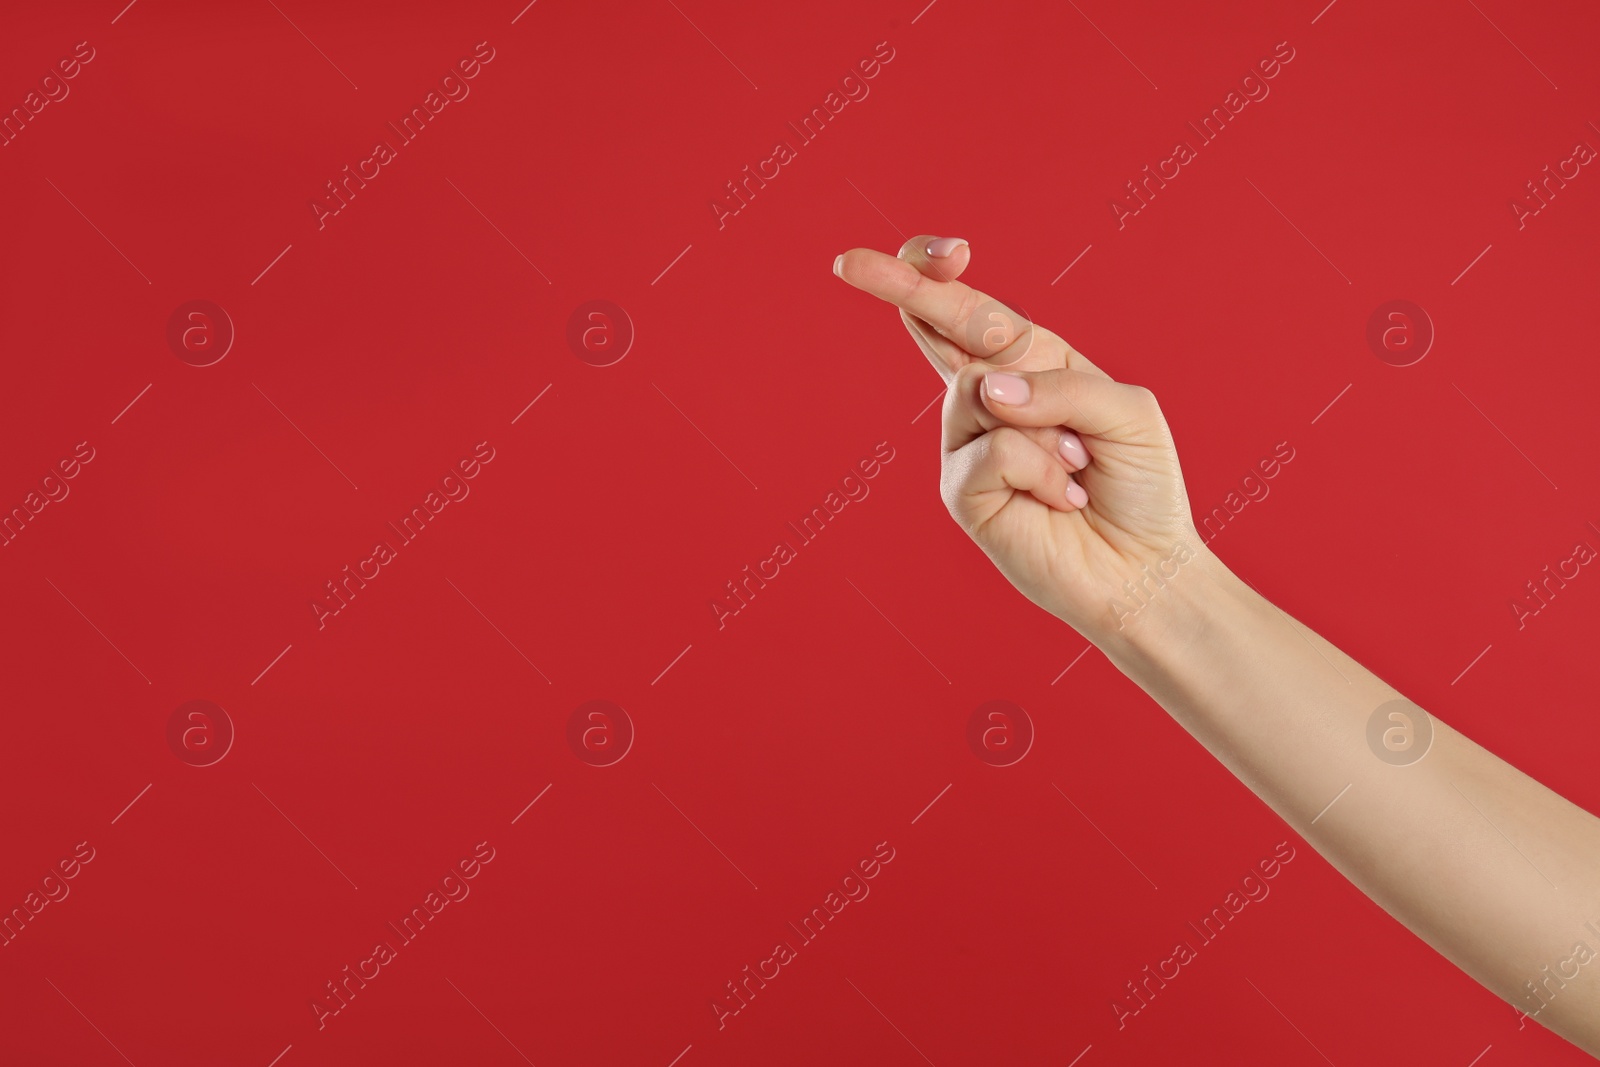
column 838, row 265
column 1077, row 496
column 1072, row 450
column 1006, row 388
column 943, row 246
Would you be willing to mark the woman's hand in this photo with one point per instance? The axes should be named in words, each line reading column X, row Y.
column 1068, row 480
column 1444, row 838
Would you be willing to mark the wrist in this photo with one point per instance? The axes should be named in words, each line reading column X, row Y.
column 1172, row 605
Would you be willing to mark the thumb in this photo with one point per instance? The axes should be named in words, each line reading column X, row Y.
column 939, row 258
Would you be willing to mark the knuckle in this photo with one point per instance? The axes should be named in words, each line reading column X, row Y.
column 1145, row 400
column 950, row 493
column 1007, row 445
column 969, row 379
column 959, row 395
column 954, row 474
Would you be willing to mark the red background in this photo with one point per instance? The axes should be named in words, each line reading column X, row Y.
column 827, row 714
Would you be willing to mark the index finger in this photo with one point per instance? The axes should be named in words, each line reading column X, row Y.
column 969, row 318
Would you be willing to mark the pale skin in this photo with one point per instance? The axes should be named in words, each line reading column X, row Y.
column 1494, row 870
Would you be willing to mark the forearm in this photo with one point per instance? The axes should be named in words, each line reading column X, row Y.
column 1492, row 869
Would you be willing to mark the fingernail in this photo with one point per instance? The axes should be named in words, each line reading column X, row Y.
column 1072, row 450
column 1076, row 495
column 838, row 265
column 1006, row 388
column 943, row 246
